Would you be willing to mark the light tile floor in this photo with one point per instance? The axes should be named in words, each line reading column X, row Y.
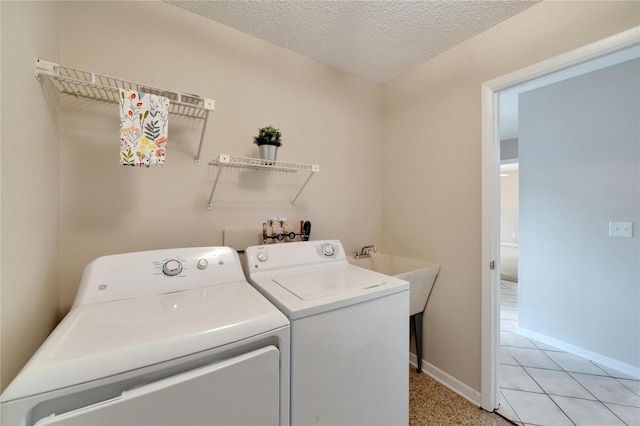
column 545, row 386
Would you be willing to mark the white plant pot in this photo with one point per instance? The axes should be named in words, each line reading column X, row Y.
column 268, row 152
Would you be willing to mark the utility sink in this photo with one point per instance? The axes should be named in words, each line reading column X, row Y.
column 421, row 275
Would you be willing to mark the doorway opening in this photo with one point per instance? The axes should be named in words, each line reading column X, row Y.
column 541, row 74
column 542, row 383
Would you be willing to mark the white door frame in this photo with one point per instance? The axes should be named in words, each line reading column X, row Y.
column 490, row 318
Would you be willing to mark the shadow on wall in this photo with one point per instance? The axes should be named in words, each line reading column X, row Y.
column 100, row 194
column 89, row 139
column 105, row 192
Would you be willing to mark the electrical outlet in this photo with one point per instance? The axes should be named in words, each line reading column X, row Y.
column 621, row 229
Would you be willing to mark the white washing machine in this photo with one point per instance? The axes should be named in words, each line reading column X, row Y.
column 166, row 337
column 349, row 333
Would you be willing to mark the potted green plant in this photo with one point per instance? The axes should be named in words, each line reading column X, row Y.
column 268, row 141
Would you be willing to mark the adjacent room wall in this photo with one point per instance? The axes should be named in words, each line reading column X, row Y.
column 509, row 150
column 509, row 207
column 327, row 117
column 30, row 280
column 431, row 168
column 580, row 169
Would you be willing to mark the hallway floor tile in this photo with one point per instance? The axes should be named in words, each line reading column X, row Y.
column 545, row 386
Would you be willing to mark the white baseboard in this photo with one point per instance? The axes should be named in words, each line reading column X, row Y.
column 592, row 356
column 450, row 382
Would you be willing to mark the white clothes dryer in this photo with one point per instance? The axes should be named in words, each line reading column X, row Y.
column 349, row 334
column 165, row 337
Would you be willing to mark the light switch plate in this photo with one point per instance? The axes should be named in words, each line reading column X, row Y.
column 621, row 229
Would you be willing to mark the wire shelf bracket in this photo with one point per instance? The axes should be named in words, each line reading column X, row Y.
column 90, row 85
column 226, row 160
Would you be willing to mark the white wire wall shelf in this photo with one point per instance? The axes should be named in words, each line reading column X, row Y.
column 226, row 160
column 75, row 82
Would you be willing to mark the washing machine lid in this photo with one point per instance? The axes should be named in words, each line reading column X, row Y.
column 311, row 289
column 320, row 281
column 103, row 339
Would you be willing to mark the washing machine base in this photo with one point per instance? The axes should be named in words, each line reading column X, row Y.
column 349, row 365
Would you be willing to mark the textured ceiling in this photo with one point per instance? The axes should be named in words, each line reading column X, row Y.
column 377, row 40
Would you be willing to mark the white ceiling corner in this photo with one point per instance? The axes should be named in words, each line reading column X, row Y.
column 377, row 40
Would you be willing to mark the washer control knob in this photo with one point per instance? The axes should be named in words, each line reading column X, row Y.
column 262, row 256
column 202, row 263
column 328, row 250
column 172, row 267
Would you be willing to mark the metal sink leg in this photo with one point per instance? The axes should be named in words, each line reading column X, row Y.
column 417, row 325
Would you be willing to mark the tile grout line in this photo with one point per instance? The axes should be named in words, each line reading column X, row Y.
column 598, row 399
column 511, row 406
column 617, row 379
column 540, row 386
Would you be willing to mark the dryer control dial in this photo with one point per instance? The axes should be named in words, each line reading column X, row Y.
column 263, row 256
column 172, row 267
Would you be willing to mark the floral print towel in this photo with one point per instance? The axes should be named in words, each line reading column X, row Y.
column 144, row 121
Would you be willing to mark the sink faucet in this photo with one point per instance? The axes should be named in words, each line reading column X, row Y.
column 365, row 252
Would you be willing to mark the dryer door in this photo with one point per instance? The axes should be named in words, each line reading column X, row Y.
column 243, row 390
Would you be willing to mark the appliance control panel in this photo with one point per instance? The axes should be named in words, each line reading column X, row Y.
column 277, row 256
column 129, row 275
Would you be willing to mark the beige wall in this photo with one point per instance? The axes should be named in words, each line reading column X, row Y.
column 67, row 200
column 327, row 117
column 431, row 151
column 30, row 185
